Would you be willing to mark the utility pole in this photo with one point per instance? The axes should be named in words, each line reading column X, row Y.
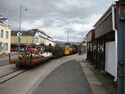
column 67, row 36
column 121, row 47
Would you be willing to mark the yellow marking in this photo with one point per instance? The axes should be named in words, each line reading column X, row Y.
column 66, row 52
column 20, row 56
column 70, row 49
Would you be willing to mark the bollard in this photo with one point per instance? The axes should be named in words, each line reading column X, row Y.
column 9, row 56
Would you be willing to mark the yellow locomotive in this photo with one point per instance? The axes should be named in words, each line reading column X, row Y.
column 70, row 49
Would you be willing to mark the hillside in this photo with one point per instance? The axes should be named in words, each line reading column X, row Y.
column 60, row 42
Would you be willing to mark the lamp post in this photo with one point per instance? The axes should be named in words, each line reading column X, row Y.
column 20, row 23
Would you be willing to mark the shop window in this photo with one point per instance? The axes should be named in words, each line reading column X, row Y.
column 6, row 46
column 1, row 46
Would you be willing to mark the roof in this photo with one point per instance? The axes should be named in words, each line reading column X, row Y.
column 1, row 22
column 3, row 18
column 30, row 33
column 37, row 30
column 24, row 33
column 104, row 15
column 89, row 32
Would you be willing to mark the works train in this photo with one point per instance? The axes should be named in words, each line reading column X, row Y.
column 28, row 59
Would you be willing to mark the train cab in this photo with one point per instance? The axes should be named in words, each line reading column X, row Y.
column 68, row 49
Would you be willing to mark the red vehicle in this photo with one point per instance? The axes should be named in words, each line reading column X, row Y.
column 31, row 50
column 14, row 49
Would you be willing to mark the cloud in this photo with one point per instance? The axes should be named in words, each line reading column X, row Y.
column 55, row 16
column 32, row 25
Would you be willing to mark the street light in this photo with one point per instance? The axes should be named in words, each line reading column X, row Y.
column 20, row 23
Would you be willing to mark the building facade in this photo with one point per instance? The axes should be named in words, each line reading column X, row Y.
column 30, row 38
column 5, row 35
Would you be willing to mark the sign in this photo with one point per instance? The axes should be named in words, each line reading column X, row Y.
column 18, row 34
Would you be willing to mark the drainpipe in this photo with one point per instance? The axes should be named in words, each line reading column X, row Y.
column 116, row 42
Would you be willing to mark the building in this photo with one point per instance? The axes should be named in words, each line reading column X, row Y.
column 105, row 40
column 30, row 38
column 5, row 35
column 84, row 47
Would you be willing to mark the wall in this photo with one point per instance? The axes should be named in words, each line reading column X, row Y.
column 41, row 40
column 4, row 40
column 110, row 61
column 104, row 27
column 89, row 37
column 24, row 39
column 46, row 41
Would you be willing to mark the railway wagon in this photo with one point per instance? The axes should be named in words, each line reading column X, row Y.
column 29, row 59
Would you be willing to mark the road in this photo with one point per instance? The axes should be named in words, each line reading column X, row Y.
column 27, row 81
column 4, row 60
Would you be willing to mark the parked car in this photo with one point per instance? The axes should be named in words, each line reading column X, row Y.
column 14, row 49
column 32, row 50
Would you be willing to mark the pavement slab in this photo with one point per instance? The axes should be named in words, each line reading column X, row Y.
column 99, row 89
column 94, row 83
column 89, row 77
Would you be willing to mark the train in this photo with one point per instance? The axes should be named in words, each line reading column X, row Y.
column 70, row 49
column 36, row 55
column 28, row 59
column 33, row 56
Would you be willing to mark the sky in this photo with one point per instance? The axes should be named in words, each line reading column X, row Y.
column 55, row 17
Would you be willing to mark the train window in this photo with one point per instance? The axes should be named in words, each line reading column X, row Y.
column 67, row 48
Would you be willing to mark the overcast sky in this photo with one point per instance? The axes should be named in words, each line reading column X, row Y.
column 55, row 16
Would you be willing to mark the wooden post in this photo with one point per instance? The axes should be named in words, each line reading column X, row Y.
column 9, row 56
column 104, row 40
column 89, row 51
column 92, row 52
column 97, row 53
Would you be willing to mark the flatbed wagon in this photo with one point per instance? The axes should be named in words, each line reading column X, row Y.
column 29, row 59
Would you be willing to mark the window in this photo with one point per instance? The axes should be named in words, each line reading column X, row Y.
column 1, row 46
column 6, row 46
column 36, row 40
column 6, row 34
column 1, row 33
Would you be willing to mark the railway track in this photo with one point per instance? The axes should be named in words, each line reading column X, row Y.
column 11, row 75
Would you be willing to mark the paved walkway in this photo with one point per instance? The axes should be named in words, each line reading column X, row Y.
column 69, row 78
column 72, row 77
